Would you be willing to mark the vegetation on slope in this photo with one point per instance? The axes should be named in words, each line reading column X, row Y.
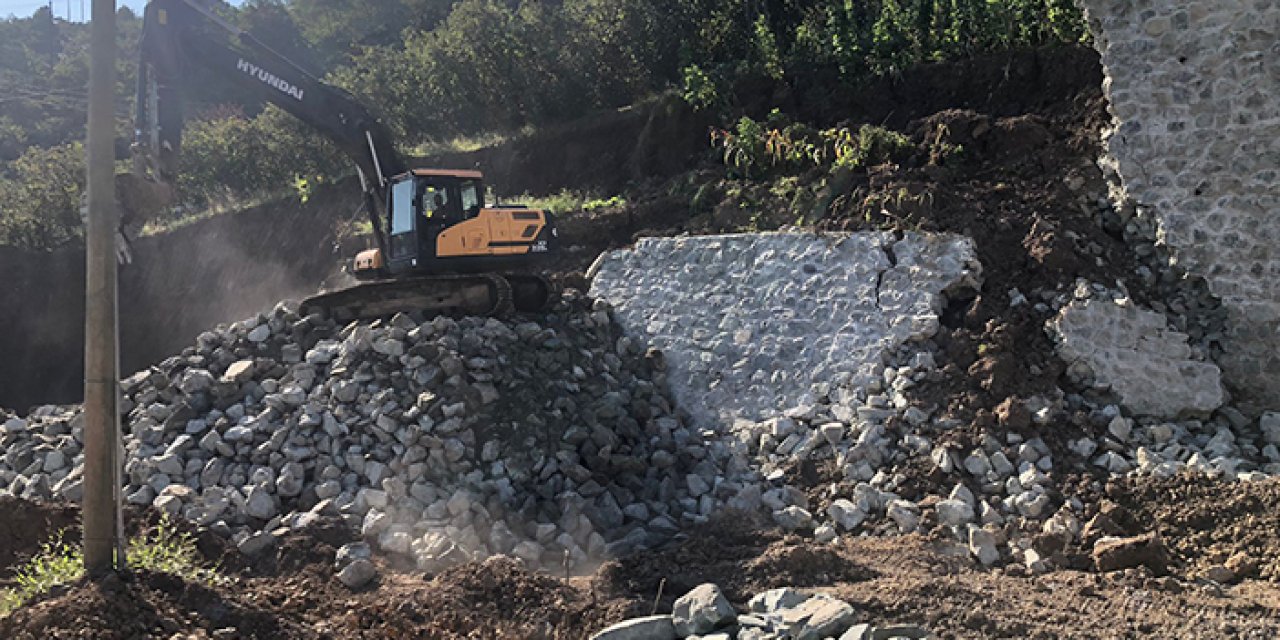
column 439, row 71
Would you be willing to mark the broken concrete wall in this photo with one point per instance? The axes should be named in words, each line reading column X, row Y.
column 1133, row 353
column 750, row 323
column 1195, row 91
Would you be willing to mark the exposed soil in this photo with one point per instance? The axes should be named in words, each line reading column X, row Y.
column 1206, row 524
column 912, row 580
column 24, row 527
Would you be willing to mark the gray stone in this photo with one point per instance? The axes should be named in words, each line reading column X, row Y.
column 257, row 543
column 905, row 514
column 982, row 544
column 898, row 632
column 858, row 632
column 954, row 513
column 351, row 552
column 648, row 628
column 818, row 617
column 775, row 600
column 170, row 505
column 358, row 573
column 14, row 425
column 793, row 518
column 195, row 381
column 259, row 333
column 824, row 534
column 54, row 460
column 701, row 610
column 1148, row 365
column 832, row 432
column 846, row 514
column 259, row 504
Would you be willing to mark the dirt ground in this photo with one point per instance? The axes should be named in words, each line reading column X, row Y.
column 292, row 592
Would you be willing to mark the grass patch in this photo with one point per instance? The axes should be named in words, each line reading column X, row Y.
column 166, row 549
column 567, row 201
column 225, row 202
column 462, row 144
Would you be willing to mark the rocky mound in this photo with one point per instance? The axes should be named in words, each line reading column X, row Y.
column 550, row 438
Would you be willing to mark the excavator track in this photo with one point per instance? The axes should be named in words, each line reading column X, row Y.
column 463, row 295
column 530, row 293
column 494, row 295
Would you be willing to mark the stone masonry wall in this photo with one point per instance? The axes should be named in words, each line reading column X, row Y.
column 750, row 323
column 1195, row 91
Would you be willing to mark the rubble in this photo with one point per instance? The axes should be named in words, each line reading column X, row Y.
column 649, row 628
column 701, row 610
column 553, row 439
column 704, row 614
column 395, row 425
column 1134, row 353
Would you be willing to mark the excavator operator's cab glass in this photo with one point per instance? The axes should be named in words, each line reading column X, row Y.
column 472, row 198
column 404, row 240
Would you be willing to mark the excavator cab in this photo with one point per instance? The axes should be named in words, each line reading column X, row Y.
column 437, row 221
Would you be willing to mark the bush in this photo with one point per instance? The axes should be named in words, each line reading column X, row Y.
column 248, row 157
column 752, row 148
column 40, row 202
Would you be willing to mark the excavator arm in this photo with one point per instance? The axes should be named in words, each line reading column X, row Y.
column 182, row 39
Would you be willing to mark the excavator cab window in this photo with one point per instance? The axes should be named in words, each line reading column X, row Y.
column 435, row 201
column 472, row 197
column 404, row 239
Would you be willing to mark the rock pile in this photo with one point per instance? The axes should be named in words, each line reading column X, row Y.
column 997, row 493
column 553, row 441
column 704, row 613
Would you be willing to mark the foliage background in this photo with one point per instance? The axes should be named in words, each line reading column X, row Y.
column 439, row 70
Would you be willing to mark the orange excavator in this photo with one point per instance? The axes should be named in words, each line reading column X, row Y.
column 438, row 247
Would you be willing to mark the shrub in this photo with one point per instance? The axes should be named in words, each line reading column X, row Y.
column 752, row 148
column 40, row 203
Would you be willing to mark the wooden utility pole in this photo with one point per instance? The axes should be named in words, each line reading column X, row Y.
column 101, row 363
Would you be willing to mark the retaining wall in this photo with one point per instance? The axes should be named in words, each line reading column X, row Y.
column 1195, row 91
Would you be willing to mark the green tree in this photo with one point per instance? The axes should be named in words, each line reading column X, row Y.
column 40, row 205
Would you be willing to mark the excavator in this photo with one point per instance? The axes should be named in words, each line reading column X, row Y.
column 438, row 247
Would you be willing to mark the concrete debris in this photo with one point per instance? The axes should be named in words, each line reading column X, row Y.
column 701, row 610
column 844, row 300
column 1137, row 356
column 777, row 614
column 649, row 628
